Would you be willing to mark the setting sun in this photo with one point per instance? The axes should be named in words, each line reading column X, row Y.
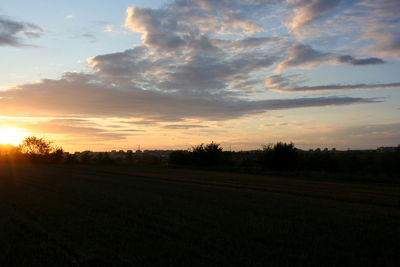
column 12, row 136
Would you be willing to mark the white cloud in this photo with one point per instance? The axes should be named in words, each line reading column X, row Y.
column 108, row 28
column 307, row 11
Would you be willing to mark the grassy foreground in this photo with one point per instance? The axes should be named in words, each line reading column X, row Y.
column 124, row 216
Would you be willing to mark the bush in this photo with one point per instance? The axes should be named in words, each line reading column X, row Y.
column 207, row 155
column 180, row 157
column 281, row 156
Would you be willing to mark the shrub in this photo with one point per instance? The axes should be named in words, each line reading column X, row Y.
column 281, row 156
column 207, row 155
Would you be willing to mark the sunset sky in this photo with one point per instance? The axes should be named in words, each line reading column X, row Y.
column 104, row 75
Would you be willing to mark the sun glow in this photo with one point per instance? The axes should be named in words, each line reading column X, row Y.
column 11, row 136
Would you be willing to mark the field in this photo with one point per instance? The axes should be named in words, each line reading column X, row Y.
column 128, row 216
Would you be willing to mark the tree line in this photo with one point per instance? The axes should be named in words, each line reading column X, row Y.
column 279, row 157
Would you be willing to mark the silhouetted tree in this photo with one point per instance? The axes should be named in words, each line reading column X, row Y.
column 281, row 156
column 33, row 145
column 207, row 155
column 40, row 149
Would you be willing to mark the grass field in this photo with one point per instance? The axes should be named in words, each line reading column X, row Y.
column 124, row 216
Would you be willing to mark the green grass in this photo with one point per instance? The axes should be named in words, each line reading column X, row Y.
column 126, row 216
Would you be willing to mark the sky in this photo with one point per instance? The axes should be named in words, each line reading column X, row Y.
column 105, row 75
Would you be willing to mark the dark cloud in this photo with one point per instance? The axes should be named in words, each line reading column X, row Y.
column 284, row 84
column 292, row 84
column 254, row 41
column 158, row 27
column 303, row 56
column 361, row 61
column 132, row 63
column 10, row 32
column 191, row 72
column 214, row 73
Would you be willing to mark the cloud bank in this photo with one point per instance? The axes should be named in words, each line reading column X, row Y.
column 81, row 95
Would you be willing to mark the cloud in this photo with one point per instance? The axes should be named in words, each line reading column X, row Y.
column 140, row 122
column 157, row 28
column 361, row 61
column 190, row 71
column 303, row 56
column 186, row 24
column 187, row 67
column 80, row 94
column 68, row 127
column 76, row 128
column 182, row 70
column 279, row 81
column 11, row 30
column 307, row 11
column 108, row 28
column 369, row 26
column 387, row 44
column 246, row 43
column 223, row 16
column 183, row 126
column 291, row 84
column 383, row 134
column 89, row 36
column 113, row 29
column 381, row 25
